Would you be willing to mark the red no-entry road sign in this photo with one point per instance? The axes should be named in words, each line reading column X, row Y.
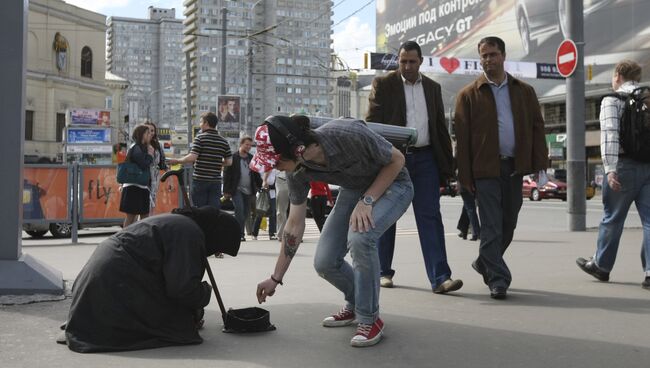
column 566, row 58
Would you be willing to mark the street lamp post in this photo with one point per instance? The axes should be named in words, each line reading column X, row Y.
column 249, row 79
column 149, row 99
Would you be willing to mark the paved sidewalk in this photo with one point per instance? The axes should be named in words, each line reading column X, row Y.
column 555, row 316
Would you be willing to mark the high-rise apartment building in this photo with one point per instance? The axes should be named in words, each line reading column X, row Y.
column 148, row 53
column 278, row 48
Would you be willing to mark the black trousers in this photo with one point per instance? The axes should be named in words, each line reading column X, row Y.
column 499, row 201
column 318, row 208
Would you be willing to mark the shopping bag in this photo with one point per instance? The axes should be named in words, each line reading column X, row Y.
column 262, row 202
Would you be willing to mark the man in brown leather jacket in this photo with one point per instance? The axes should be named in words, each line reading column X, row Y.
column 500, row 138
column 407, row 98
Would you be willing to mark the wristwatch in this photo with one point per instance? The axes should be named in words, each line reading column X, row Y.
column 368, row 200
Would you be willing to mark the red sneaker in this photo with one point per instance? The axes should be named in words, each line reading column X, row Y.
column 344, row 317
column 368, row 335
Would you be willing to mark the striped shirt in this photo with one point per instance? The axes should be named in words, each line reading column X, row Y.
column 611, row 110
column 211, row 149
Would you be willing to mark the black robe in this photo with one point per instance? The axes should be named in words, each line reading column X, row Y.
column 141, row 288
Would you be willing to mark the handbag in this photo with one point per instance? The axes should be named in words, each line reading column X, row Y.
column 262, row 202
column 130, row 173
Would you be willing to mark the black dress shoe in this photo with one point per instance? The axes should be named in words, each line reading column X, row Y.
column 498, row 292
column 475, row 267
column 474, row 238
column 646, row 283
column 589, row 266
column 462, row 235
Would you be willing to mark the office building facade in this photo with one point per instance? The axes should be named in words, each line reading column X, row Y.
column 277, row 58
column 148, row 53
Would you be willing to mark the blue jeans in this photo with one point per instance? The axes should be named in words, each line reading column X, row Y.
column 423, row 170
column 242, row 204
column 206, row 193
column 634, row 177
column 359, row 282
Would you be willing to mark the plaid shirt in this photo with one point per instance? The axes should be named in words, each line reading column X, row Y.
column 611, row 110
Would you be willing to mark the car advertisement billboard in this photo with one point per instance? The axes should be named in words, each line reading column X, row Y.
column 531, row 29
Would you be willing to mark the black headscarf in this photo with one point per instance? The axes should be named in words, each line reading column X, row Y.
column 221, row 230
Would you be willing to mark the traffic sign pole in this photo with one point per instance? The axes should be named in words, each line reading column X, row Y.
column 575, row 109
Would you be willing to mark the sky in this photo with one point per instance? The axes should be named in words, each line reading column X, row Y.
column 353, row 34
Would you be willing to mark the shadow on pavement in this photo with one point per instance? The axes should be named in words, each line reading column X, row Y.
column 542, row 298
column 300, row 341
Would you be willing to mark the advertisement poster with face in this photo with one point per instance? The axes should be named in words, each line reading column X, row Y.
column 229, row 112
column 450, row 30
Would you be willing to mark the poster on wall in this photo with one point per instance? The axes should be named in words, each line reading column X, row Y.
column 88, row 135
column 90, row 117
column 45, row 194
column 228, row 109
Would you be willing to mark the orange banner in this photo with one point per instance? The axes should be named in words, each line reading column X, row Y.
column 45, row 193
column 101, row 194
column 167, row 197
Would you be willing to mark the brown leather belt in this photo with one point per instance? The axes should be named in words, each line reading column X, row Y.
column 419, row 149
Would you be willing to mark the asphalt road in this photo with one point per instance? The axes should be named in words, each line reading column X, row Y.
column 555, row 315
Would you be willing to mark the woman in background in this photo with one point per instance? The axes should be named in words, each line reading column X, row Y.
column 135, row 197
column 157, row 165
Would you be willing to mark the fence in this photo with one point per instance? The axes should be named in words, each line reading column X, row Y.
column 82, row 195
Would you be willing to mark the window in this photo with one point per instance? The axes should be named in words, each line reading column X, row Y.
column 60, row 125
column 86, row 62
column 109, row 102
column 29, row 125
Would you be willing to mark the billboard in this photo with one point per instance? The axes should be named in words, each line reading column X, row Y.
column 90, row 117
column 88, row 135
column 229, row 112
column 100, row 195
column 531, row 29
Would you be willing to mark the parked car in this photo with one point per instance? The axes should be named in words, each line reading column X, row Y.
column 62, row 229
column 553, row 189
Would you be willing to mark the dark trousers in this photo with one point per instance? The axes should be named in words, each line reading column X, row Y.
column 499, row 202
column 468, row 215
column 318, row 206
column 272, row 220
column 423, row 170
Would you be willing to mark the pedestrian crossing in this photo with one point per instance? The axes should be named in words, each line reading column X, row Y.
column 312, row 233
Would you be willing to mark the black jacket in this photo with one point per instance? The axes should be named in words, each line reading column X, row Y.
column 141, row 288
column 232, row 175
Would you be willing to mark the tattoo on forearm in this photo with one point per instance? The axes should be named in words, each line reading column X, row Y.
column 291, row 244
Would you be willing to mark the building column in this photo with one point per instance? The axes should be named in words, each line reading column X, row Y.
column 20, row 274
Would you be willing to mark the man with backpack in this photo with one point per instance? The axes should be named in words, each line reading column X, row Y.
column 624, row 145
